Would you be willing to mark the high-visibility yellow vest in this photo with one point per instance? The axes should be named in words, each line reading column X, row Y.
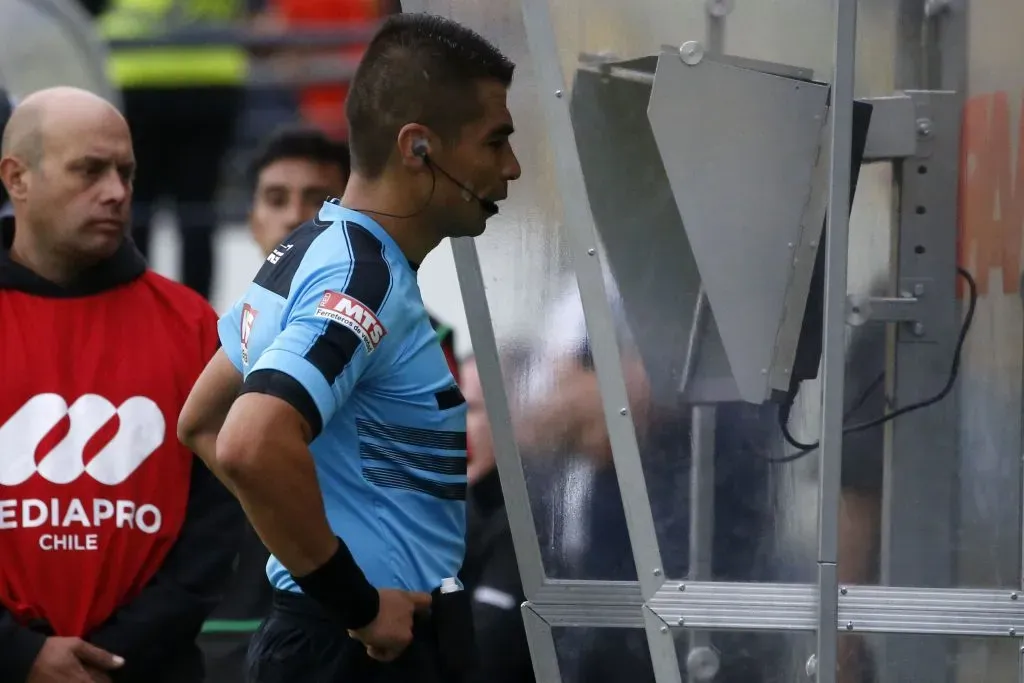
column 185, row 66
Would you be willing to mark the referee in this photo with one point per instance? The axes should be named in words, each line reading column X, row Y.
column 346, row 443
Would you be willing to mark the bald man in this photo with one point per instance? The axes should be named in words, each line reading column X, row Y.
column 123, row 539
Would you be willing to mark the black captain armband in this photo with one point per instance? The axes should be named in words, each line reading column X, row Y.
column 340, row 586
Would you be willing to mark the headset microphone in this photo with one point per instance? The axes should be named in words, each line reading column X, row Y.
column 419, row 148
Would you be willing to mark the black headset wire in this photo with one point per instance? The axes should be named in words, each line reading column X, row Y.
column 803, row 449
column 417, row 212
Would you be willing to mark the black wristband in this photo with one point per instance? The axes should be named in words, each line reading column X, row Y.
column 340, row 586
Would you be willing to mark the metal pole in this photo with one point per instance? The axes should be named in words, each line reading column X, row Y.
column 837, row 239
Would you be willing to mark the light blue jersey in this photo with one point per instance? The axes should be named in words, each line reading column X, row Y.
column 334, row 324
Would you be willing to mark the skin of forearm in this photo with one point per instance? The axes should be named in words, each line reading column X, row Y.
column 275, row 481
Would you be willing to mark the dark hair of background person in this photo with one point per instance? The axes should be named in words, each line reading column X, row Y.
column 300, row 142
column 418, row 68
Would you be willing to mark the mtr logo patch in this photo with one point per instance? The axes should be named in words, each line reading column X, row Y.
column 353, row 315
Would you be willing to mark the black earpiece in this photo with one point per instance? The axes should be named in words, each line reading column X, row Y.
column 421, row 149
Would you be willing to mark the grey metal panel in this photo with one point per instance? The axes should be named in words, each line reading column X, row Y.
column 893, row 130
column 579, row 224
column 645, row 243
column 542, row 647
column 506, row 453
column 753, row 191
column 837, row 237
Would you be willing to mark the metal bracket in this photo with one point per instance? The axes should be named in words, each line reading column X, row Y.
column 894, row 128
column 911, row 308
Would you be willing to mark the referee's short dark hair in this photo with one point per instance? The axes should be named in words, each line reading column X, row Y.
column 419, row 68
column 301, row 142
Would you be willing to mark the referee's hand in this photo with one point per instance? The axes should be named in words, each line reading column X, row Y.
column 387, row 636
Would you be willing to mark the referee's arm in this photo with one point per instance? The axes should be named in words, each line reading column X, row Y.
column 291, row 393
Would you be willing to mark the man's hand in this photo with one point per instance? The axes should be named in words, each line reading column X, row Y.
column 387, row 636
column 69, row 660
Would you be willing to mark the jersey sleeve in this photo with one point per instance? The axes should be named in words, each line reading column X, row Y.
column 341, row 321
column 229, row 331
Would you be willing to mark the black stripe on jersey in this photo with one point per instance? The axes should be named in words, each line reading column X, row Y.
column 412, row 436
column 449, row 398
column 278, row 270
column 427, row 462
column 393, row 479
column 369, row 283
column 288, row 389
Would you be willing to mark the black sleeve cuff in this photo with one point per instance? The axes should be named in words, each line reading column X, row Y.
column 340, row 586
column 287, row 388
column 19, row 648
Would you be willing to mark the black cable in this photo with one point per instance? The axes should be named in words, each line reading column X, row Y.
column 803, row 449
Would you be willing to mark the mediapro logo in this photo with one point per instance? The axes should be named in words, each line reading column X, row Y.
column 142, row 430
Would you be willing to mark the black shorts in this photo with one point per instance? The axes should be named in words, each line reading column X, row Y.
column 300, row 643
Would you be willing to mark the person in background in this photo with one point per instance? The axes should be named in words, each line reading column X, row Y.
column 490, row 572
column 6, row 107
column 116, row 542
column 297, row 169
column 183, row 105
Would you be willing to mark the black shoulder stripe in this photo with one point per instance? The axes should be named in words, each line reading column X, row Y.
column 278, row 270
column 369, row 283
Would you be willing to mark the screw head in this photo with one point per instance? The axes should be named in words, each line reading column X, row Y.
column 1013, row 596
column 691, row 52
column 919, row 289
column 657, row 572
column 682, row 588
column 591, row 252
column 924, row 127
column 1013, row 631
column 919, row 329
column 719, row 8
column 558, row 93
column 849, row 626
column 623, row 411
column 664, row 629
column 844, row 590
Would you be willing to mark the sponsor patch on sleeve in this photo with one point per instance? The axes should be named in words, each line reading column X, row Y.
column 352, row 314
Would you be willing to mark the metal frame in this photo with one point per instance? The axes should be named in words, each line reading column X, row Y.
column 834, row 346
column 583, row 239
column 719, row 605
column 506, row 452
column 906, row 128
